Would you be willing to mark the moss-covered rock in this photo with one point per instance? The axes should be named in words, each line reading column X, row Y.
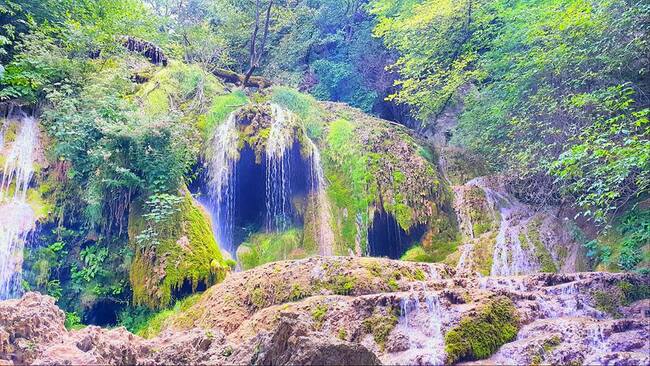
column 263, row 248
column 541, row 252
column 380, row 325
column 479, row 335
column 185, row 252
column 197, row 95
column 373, row 165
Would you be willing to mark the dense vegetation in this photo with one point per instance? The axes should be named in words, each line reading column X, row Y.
column 555, row 95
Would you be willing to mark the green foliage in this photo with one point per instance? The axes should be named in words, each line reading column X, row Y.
column 438, row 42
column 73, row 321
column 526, row 69
column 92, row 258
column 340, row 81
column 114, row 152
column 615, row 146
column 479, row 336
column 611, row 299
column 152, row 326
column 621, row 247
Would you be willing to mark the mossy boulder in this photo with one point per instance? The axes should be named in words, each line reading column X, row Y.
column 479, row 335
column 197, row 95
column 264, row 248
column 185, row 253
column 373, row 165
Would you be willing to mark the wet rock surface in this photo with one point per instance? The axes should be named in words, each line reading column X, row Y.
column 368, row 322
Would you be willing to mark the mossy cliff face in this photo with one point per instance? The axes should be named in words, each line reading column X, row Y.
column 373, row 165
column 186, row 253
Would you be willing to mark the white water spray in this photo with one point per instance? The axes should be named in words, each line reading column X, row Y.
column 422, row 324
column 465, row 259
column 278, row 169
column 509, row 258
column 323, row 215
column 221, row 169
column 16, row 217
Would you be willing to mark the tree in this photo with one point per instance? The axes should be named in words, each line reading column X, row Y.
column 256, row 50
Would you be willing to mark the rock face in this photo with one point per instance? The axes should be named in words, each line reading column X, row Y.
column 333, row 310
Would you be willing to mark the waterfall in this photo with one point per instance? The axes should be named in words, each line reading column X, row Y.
column 14, row 227
column 422, row 324
column 323, row 216
column 221, row 169
column 278, row 170
column 279, row 182
column 509, row 256
column 465, row 258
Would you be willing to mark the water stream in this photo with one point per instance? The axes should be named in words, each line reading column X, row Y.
column 323, row 215
column 17, row 218
column 509, row 258
column 421, row 323
column 221, row 167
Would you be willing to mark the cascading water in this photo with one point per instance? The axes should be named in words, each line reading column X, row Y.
column 465, row 257
column 422, row 324
column 278, row 170
column 323, row 215
column 233, row 173
column 17, row 218
column 221, row 167
column 509, row 256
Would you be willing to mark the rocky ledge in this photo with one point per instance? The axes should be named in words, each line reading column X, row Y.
column 343, row 310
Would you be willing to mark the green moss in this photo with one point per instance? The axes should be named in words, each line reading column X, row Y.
column 342, row 284
column 258, row 298
column 155, row 324
column 523, row 240
column 222, row 106
column 542, row 254
column 297, row 293
column 304, row 105
column 478, row 336
column 318, row 315
column 187, row 251
column 550, row 343
column 633, row 291
column 182, row 88
column 343, row 334
column 611, row 299
column 392, row 284
column 417, row 254
column 42, row 207
column 380, row 326
column 439, row 246
column 484, row 252
column 270, row 247
column 419, row 275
